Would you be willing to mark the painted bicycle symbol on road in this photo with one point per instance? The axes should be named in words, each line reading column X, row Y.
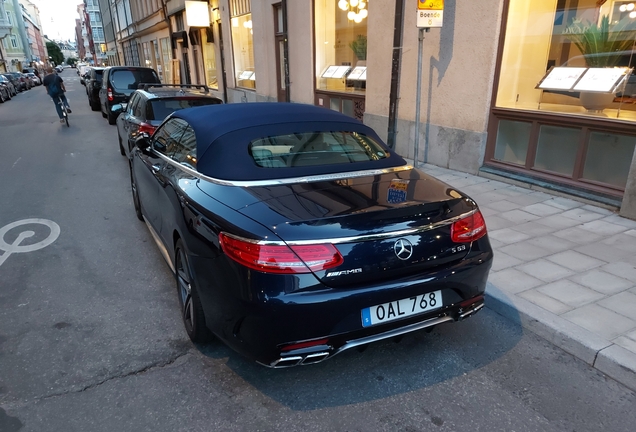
column 17, row 247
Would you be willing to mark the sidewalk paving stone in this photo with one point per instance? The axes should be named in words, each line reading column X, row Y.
column 626, row 342
column 578, row 235
column 603, row 252
column 575, row 261
column 525, row 251
column 545, row 270
column 514, row 281
column 570, row 293
column 546, row 302
column 581, row 215
column 530, row 198
column 563, row 203
column 552, row 243
column 535, row 229
column 496, row 222
column 507, row 236
column 604, row 322
column 599, row 210
column 619, row 220
column 541, row 209
column 604, row 228
column 519, row 216
column 622, row 241
column 502, row 206
column 623, row 303
column 603, row 282
column 622, row 269
column 557, row 221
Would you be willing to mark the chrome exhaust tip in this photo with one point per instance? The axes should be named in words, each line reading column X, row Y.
column 315, row 358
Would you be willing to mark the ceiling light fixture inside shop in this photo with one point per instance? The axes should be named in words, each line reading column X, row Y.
column 629, row 7
column 356, row 9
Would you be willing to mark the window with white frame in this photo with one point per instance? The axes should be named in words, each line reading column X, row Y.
column 243, row 43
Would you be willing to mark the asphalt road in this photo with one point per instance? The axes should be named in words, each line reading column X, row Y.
column 91, row 338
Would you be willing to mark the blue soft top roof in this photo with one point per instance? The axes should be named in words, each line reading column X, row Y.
column 223, row 134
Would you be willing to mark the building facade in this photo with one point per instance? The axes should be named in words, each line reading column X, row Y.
column 5, row 31
column 79, row 39
column 493, row 79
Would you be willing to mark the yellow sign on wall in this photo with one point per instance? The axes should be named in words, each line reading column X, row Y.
column 430, row 4
column 430, row 13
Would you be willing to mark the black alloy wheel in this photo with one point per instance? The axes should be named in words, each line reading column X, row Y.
column 191, row 309
column 2, row 98
column 135, row 194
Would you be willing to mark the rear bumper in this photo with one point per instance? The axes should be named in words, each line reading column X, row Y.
column 259, row 319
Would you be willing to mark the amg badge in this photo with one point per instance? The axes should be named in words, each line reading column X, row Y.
column 344, row 272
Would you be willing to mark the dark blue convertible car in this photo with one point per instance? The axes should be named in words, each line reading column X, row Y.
column 295, row 233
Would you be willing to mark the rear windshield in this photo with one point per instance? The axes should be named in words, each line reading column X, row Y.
column 99, row 73
column 130, row 79
column 314, row 149
column 159, row 109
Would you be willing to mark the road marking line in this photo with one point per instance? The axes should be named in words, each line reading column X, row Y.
column 16, row 162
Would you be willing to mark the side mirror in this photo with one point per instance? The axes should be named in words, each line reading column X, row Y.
column 142, row 142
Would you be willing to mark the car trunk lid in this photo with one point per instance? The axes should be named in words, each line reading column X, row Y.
column 383, row 225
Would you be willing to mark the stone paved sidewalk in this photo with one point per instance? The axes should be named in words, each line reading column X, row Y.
column 565, row 268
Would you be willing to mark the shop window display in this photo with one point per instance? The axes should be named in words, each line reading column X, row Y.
column 243, row 48
column 209, row 58
column 341, row 45
column 554, row 49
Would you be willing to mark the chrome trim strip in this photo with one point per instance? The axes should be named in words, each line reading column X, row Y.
column 292, row 180
column 160, row 245
column 352, row 239
column 396, row 332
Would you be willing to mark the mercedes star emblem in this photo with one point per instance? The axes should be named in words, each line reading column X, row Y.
column 403, row 249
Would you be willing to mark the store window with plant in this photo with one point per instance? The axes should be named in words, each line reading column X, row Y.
column 570, row 56
column 341, row 45
column 243, row 43
column 566, row 93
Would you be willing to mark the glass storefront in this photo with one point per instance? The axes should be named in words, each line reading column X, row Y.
column 168, row 77
column 564, row 45
column 341, row 45
column 566, row 96
column 243, row 50
column 209, row 59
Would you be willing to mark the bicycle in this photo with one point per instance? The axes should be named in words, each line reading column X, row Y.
column 64, row 111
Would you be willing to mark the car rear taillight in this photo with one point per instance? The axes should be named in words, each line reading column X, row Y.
column 280, row 258
column 110, row 94
column 146, row 128
column 468, row 229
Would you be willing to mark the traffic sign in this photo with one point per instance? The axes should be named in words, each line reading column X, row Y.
column 430, row 13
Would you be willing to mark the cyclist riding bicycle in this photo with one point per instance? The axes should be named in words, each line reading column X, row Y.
column 55, row 88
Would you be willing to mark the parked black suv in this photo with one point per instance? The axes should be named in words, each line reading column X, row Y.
column 118, row 83
column 149, row 106
column 93, row 82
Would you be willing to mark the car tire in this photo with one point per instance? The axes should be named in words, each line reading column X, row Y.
column 191, row 309
column 2, row 99
column 111, row 119
column 121, row 147
column 135, row 194
column 103, row 113
column 94, row 106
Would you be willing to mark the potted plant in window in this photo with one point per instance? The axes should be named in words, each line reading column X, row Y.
column 601, row 46
column 359, row 48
